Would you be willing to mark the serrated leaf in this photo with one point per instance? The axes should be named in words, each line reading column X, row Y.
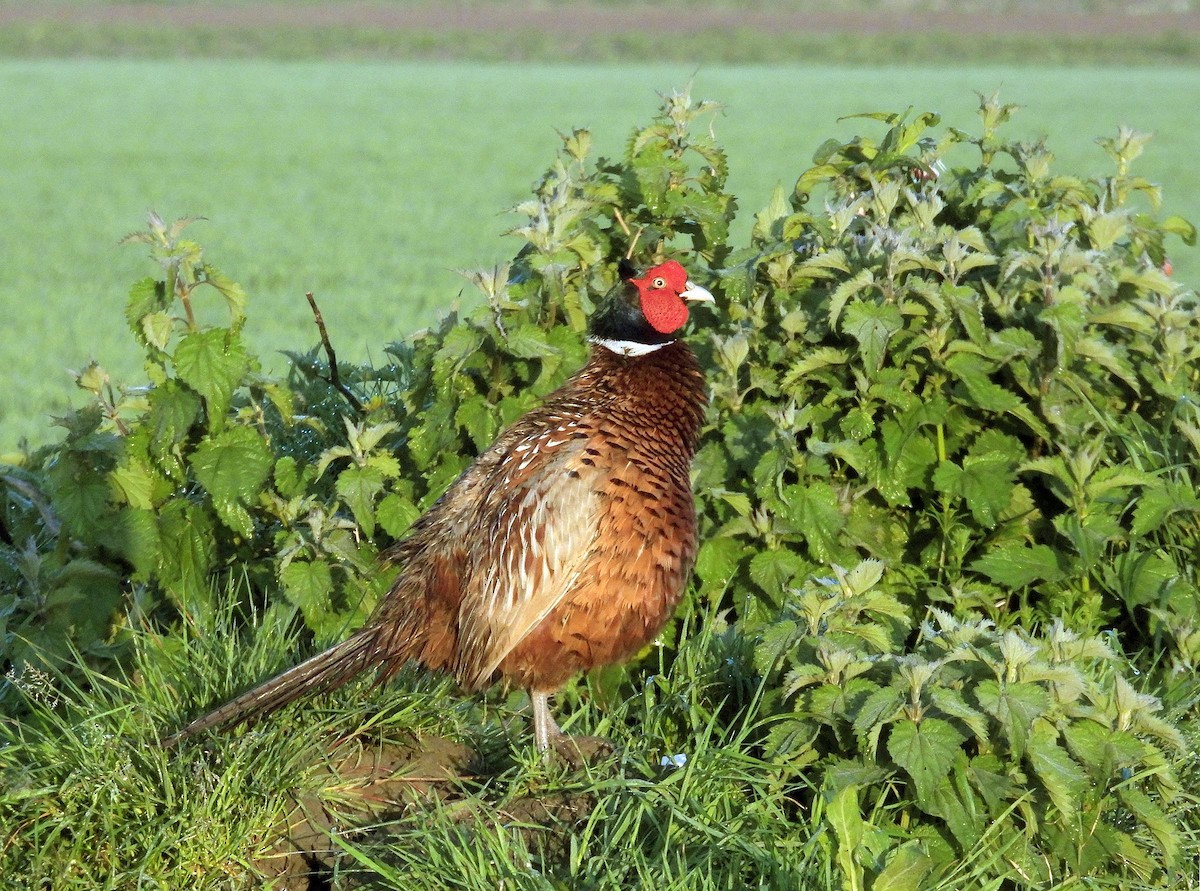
column 307, row 584
column 717, row 561
column 1063, row 778
column 80, row 492
column 173, row 410
column 906, row 456
column 135, row 537
column 213, row 364
column 289, row 479
column 1016, row 706
column 1159, row 502
column 986, row 478
column 134, row 483
column 395, row 514
column 156, row 329
column 774, row 569
column 815, row 512
column 460, row 343
column 187, row 554
column 235, row 297
column 528, row 342
column 813, row 360
column 952, row 703
column 1016, row 566
column 477, row 418
column 233, row 466
column 358, row 487
column 872, row 325
column 926, row 752
column 879, row 708
column 145, row 297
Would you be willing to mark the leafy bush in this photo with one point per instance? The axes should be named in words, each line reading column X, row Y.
column 980, row 375
column 937, row 356
column 1033, row 754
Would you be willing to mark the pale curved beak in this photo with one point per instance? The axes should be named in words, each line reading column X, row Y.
column 696, row 294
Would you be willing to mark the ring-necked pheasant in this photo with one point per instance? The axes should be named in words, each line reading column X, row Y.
column 566, row 545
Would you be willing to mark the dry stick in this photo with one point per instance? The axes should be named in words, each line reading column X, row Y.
column 625, row 228
column 335, row 379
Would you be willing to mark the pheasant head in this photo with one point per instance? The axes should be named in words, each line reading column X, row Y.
column 645, row 312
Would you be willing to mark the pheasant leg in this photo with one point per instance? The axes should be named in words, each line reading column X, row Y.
column 576, row 751
column 545, row 730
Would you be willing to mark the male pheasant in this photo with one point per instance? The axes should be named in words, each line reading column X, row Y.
column 567, row 543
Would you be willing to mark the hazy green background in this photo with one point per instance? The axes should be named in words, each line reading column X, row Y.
column 369, row 183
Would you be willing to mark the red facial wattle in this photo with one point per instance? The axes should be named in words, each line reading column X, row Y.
column 665, row 312
column 660, row 289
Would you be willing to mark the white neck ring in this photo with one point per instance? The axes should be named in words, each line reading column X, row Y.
column 627, row 347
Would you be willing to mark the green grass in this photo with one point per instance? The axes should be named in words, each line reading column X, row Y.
column 371, row 183
column 88, row 800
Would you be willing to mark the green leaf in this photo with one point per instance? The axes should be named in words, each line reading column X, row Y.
column 986, row 478
column 80, row 491
column 872, row 325
column 810, row 361
column 135, row 536
column 235, row 297
column 773, row 570
column 1016, row 566
column 290, row 480
column 906, row 869
column 1164, row 829
column 213, row 364
column 187, row 555
column 156, row 329
column 717, row 561
column 477, row 418
column 134, row 483
column 173, row 410
column 815, row 512
column 1160, row 502
column 845, row 818
column 1177, row 225
column 358, row 487
column 906, row 455
column 1016, row 706
column 145, row 297
column 459, row 344
column 233, row 466
column 308, row 585
column 528, row 342
column 395, row 514
column 1064, row 780
column 926, row 752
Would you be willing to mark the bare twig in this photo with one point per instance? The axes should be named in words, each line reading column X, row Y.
column 621, row 221
column 625, row 228
column 334, row 379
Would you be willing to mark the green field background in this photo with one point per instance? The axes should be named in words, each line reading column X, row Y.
column 371, row 183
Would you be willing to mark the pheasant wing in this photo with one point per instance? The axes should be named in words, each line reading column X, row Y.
column 540, row 521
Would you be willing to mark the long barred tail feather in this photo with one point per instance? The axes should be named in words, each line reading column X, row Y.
column 325, row 671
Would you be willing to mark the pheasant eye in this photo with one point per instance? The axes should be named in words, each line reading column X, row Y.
column 659, row 282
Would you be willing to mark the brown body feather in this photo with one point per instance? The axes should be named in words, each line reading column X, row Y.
column 564, row 547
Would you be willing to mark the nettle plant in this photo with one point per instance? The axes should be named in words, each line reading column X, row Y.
column 966, row 749
column 978, row 373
